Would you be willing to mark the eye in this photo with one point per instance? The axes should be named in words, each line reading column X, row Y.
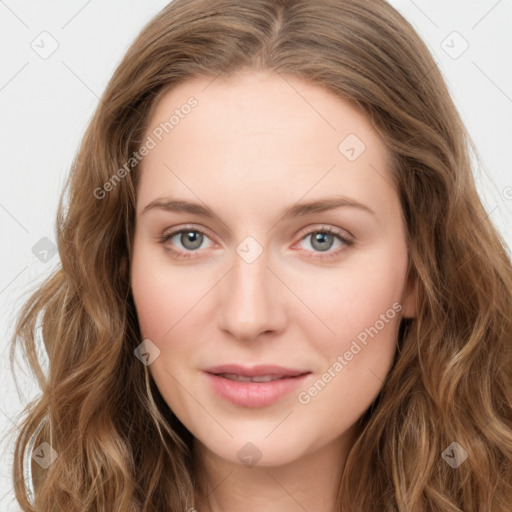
column 191, row 239
column 323, row 239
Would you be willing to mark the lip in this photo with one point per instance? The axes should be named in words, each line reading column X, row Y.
column 256, row 371
column 255, row 394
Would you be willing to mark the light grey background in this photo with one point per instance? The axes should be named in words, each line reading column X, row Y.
column 46, row 102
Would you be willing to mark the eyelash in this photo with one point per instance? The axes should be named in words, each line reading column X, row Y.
column 348, row 242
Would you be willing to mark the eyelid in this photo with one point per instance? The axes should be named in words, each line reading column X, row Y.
column 343, row 233
column 190, row 227
column 303, row 232
column 346, row 239
column 172, row 232
column 344, row 236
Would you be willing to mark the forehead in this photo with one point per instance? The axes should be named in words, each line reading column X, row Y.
column 265, row 133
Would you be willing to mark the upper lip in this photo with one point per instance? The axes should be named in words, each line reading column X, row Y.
column 256, row 371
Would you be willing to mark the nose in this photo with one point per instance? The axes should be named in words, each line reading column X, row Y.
column 251, row 300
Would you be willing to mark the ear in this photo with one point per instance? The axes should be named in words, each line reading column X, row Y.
column 409, row 296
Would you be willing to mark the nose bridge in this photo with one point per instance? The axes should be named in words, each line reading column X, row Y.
column 250, row 297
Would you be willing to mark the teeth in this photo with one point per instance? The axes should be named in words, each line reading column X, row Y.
column 265, row 378
column 242, row 378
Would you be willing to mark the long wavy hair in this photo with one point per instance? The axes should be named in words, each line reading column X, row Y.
column 120, row 447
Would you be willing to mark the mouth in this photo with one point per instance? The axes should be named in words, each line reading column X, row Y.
column 261, row 370
column 258, row 378
column 256, row 386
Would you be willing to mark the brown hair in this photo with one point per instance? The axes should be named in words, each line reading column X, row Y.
column 451, row 380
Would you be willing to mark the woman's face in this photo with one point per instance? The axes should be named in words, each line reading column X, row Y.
column 232, row 264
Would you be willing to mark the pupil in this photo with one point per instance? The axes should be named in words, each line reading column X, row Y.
column 192, row 237
column 321, row 238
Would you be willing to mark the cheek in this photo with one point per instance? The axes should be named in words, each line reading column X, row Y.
column 152, row 301
column 162, row 294
column 162, row 298
column 348, row 303
column 357, row 350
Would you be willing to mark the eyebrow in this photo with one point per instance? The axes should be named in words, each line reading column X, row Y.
column 300, row 209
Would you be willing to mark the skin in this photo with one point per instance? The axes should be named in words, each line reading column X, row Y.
column 256, row 143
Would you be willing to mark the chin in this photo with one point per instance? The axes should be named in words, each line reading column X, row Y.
column 253, row 450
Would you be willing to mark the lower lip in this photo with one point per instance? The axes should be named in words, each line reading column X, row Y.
column 254, row 394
